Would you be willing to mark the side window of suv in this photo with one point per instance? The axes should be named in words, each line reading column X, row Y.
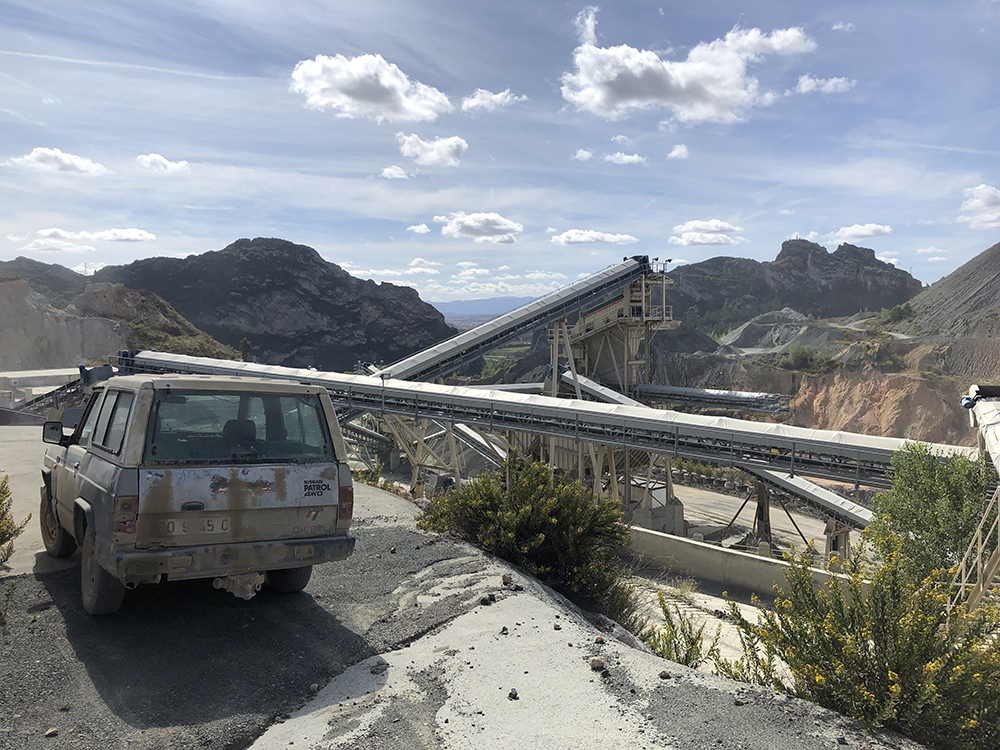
column 110, row 431
column 89, row 420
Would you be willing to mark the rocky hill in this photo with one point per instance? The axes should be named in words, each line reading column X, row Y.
column 719, row 294
column 965, row 303
column 36, row 335
column 57, row 284
column 290, row 305
column 103, row 319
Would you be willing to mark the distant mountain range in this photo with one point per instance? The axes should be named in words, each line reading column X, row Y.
column 489, row 306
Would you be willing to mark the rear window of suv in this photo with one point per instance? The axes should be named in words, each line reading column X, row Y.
column 214, row 427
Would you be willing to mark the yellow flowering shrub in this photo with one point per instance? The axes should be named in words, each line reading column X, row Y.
column 9, row 528
column 552, row 528
column 878, row 646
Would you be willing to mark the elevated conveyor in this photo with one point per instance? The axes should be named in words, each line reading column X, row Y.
column 446, row 357
column 820, row 498
column 822, row 453
column 597, row 391
column 771, row 403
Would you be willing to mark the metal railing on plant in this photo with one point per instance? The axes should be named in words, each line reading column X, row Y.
column 979, row 567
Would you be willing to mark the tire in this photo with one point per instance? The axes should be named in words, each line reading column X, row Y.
column 289, row 580
column 58, row 541
column 102, row 593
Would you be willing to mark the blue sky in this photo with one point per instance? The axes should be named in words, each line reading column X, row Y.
column 473, row 150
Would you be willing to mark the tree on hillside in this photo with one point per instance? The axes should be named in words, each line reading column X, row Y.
column 933, row 507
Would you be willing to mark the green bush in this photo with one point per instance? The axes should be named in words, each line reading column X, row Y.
column 888, row 656
column 9, row 529
column 552, row 528
column 932, row 509
column 679, row 639
column 803, row 357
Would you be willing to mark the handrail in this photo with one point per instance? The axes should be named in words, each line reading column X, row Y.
column 972, row 572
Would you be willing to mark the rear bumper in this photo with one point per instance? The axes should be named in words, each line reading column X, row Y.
column 229, row 559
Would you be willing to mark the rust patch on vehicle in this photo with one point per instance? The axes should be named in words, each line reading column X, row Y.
column 281, row 484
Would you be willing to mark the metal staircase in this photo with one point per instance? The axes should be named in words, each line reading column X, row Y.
column 978, row 572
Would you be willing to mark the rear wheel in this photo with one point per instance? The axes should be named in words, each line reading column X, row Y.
column 102, row 592
column 58, row 542
column 289, row 580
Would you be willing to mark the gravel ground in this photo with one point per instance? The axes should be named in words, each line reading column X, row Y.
column 183, row 665
column 391, row 649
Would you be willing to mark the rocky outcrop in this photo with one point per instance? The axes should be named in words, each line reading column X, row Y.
column 35, row 335
column 57, row 284
column 721, row 293
column 293, row 307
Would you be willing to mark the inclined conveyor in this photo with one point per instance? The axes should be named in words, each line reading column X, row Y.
column 843, row 456
column 446, row 357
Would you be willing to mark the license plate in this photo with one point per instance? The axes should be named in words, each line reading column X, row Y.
column 177, row 527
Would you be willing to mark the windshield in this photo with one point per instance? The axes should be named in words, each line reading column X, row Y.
column 213, row 427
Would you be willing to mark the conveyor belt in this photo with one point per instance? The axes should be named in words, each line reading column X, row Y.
column 830, row 503
column 448, row 356
column 772, row 403
column 843, row 456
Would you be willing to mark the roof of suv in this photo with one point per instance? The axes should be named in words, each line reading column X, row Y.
column 211, row 383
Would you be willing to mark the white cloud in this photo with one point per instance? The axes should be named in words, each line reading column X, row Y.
column 551, row 230
column 929, row 250
column 395, row 173
column 421, row 261
column 621, row 140
column 441, row 152
column 982, row 207
column 503, row 268
column 887, row 259
column 807, row 84
column 466, row 264
column 857, row 232
column 680, row 151
column 786, row 211
column 712, row 226
column 711, row 85
column 841, row 26
column 705, row 238
column 52, row 245
column 392, row 272
column 110, row 235
column 620, row 158
column 157, row 163
column 936, row 259
column 17, row 238
column 588, row 236
column 480, row 227
column 54, row 160
column 543, row 275
column 512, row 276
column 471, row 273
column 490, row 102
column 586, row 25
column 583, row 154
column 418, row 229
column 421, row 270
column 366, row 86
column 88, row 269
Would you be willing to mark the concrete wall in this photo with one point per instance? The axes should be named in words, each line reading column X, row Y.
column 707, row 562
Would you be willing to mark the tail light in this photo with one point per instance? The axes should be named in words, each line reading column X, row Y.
column 126, row 512
column 346, row 512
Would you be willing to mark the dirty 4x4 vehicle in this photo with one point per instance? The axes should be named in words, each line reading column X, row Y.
column 180, row 477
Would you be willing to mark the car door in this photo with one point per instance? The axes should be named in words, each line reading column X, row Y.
column 68, row 460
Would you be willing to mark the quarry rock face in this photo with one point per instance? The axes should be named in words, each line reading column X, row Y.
column 804, row 276
column 293, row 307
column 35, row 335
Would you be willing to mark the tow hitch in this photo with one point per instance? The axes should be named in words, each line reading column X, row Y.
column 242, row 586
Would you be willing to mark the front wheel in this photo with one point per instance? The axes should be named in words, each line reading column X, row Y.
column 102, row 592
column 289, row 580
column 58, row 542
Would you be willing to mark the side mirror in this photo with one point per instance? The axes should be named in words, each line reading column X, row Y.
column 52, row 432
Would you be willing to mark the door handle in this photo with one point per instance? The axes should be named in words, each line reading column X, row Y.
column 76, row 465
